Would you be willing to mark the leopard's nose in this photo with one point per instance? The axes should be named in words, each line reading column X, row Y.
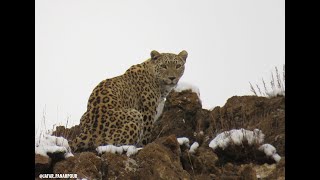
column 172, row 78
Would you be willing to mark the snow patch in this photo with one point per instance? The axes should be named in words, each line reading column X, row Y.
column 183, row 141
column 258, row 176
column 275, row 92
column 182, row 86
column 194, row 147
column 132, row 150
column 237, row 136
column 276, row 157
column 270, row 151
column 129, row 149
column 52, row 144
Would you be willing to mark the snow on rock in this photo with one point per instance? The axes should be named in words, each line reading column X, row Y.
column 129, row 149
column 276, row 157
column 237, row 136
column 270, row 151
column 275, row 92
column 221, row 140
column 254, row 137
column 109, row 148
column 52, row 144
column 181, row 86
column 258, row 176
column 194, row 147
column 132, row 150
column 183, row 141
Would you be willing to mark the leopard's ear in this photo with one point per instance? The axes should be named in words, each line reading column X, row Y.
column 183, row 54
column 155, row 55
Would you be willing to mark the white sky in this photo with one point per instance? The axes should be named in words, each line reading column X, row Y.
column 80, row 43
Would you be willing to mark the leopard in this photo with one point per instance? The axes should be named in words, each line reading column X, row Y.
column 122, row 110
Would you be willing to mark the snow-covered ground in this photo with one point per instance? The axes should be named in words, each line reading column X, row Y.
column 275, row 92
column 51, row 144
column 270, row 150
column 194, row 147
column 183, row 141
column 129, row 149
column 238, row 136
column 182, row 86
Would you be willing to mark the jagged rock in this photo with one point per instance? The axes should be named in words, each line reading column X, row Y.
column 242, row 154
column 179, row 116
column 264, row 170
column 164, row 158
column 85, row 165
column 278, row 172
column 42, row 164
column 186, row 100
column 117, row 166
column 250, row 112
column 202, row 162
column 205, row 177
column 160, row 160
column 67, row 133
column 248, row 173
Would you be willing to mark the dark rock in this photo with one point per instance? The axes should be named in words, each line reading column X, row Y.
column 248, row 173
column 160, row 160
column 42, row 164
column 67, row 133
column 85, row 165
column 117, row 166
column 251, row 112
column 180, row 116
column 202, row 162
column 183, row 116
column 279, row 172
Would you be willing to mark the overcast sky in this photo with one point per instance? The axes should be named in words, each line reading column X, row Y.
column 80, row 43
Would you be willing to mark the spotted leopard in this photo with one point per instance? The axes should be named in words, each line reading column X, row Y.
column 122, row 110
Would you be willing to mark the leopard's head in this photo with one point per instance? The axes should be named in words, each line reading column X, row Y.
column 168, row 67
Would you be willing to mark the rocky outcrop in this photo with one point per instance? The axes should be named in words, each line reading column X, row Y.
column 183, row 116
column 85, row 165
column 161, row 160
column 250, row 112
column 42, row 164
column 178, row 116
column 67, row 133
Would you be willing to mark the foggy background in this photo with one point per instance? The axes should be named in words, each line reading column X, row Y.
column 79, row 43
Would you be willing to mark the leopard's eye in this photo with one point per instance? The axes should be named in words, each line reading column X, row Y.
column 163, row 66
column 178, row 66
